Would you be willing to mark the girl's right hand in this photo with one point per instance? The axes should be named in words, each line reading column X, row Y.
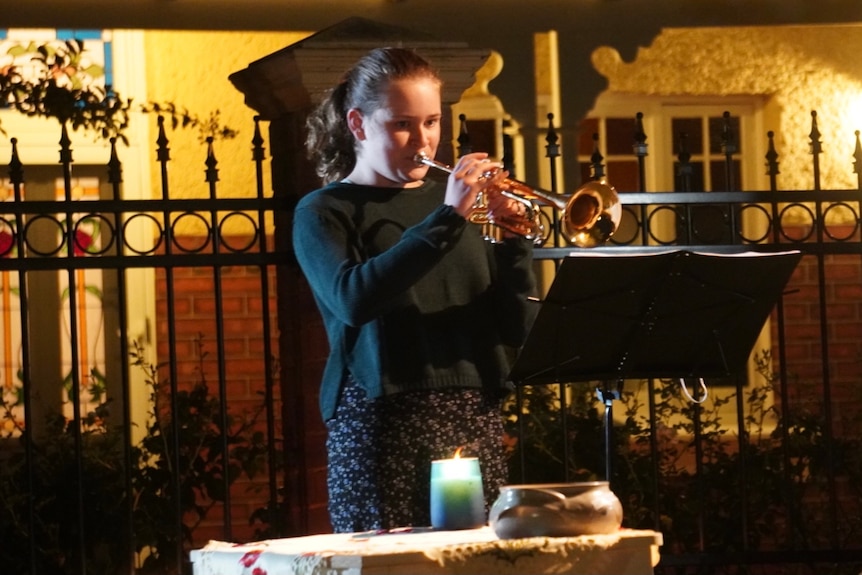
column 469, row 177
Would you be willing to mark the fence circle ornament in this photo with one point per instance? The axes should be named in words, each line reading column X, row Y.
column 243, row 219
column 184, row 242
column 35, row 238
column 844, row 215
column 106, row 234
column 673, row 212
column 628, row 220
column 8, row 238
column 708, row 223
column 159, row 237
column 793, row 211
column 748, row 213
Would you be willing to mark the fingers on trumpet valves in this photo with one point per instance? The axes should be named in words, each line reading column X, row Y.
column 481, row 170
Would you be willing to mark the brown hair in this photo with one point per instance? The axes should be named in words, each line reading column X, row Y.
column 330, row 143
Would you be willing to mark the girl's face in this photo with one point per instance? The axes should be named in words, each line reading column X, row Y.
column 408, row 122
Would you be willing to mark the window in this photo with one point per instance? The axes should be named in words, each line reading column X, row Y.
column 674, row 128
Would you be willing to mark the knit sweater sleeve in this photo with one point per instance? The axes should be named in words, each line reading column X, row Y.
column 357, row 288
column 515, row 289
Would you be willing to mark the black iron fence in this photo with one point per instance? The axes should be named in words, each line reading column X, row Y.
column 764, row 477
column 115, row 450
column 119, row 463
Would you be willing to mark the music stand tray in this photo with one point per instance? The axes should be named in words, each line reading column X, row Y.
column 671, row 314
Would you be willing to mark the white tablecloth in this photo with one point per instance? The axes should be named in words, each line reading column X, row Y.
column 472, row 551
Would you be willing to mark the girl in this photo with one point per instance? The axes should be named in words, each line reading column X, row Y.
column 420, row 312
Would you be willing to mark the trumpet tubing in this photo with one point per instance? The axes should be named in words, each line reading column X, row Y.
column 589, row 216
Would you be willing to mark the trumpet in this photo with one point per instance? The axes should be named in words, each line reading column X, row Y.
column 589, row 216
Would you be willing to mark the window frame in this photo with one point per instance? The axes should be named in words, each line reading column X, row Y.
column 658, row 112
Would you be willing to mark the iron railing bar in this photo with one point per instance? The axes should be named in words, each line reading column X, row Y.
column 212, row 180
column 699, row 476
column 816, row 149
column 74, row 352
column 654, row 451
column 115, row 178
column 258, row 155
column 16, row 177
column 741, row 438
column 741, row 197
column 173, row 206
column 806, row 248
column 138, row 262
column 783, row 379
column 163, row 157
column 552, row 152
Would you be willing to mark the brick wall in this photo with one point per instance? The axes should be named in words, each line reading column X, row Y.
column 305, row 349
column 842, row 328
column 195, row 307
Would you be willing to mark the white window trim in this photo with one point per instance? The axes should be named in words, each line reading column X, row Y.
column 657, row 127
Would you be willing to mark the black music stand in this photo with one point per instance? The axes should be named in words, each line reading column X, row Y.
column 674, row 314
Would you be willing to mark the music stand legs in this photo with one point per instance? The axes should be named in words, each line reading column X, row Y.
column 607, row 396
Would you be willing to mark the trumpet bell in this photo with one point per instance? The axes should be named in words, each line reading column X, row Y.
column 592, row 214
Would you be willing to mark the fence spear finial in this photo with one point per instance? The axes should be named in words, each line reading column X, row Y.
column 464, row 146
column 640, row 146
column 598, row 168
column 857, row 162
column 552, row 148
column 16, row 168
column 115, row 169
column 815, row 147
column 771, row 160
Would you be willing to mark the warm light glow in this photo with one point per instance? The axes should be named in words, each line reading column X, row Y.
column 458, row 453
column 852, row 112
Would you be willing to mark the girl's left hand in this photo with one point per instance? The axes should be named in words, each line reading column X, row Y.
column 510, row 212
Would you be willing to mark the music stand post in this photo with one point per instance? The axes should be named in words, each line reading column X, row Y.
column 607, row 396
column 675, row 314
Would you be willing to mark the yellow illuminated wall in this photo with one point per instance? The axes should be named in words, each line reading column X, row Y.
column 797, row 69
column 191, row 69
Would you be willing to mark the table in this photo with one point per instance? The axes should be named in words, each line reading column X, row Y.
column 427, row 552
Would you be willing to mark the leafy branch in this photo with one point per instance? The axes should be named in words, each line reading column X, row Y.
column 182, row 118
column 63, row 86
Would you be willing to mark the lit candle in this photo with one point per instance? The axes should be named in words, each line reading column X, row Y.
column 457, row 499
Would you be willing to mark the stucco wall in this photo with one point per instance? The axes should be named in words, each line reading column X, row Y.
column 191, row 69
column 797, row 69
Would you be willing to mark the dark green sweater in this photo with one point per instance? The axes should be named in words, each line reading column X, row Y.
column 410, row 294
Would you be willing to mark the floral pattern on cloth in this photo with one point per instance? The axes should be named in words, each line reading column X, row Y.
column 468, row 551
column 250, row 558
column 213, row 560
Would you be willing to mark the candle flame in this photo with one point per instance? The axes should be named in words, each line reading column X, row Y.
column 458, row 453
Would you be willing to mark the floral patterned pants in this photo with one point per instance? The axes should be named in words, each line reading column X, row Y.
column 380, row 453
